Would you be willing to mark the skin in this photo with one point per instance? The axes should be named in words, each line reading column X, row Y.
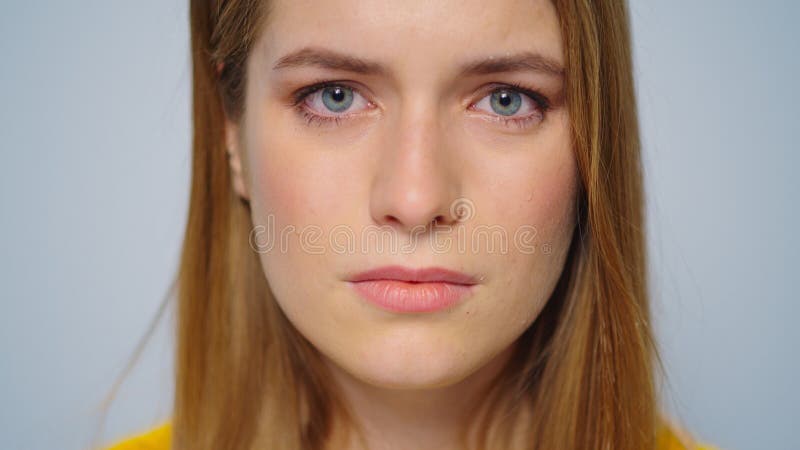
column 415, row 139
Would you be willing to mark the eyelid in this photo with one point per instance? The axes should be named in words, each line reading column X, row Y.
column 301, row 97
column 541, row 104
column 541, row 101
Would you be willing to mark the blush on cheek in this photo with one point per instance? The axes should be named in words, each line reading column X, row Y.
column 558, row 215
column 556, row 189
column 275, row 179
column 557, row 195
column 549, row 205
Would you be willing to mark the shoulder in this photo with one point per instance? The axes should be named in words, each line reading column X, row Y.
column 670, row 436
column 156, row 438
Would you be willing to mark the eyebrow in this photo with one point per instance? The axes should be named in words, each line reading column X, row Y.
column 330, row 59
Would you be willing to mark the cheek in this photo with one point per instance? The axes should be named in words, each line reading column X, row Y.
column 532, row 184
column 548, row 202
column 301, row 184
column 530, row 187
column 289, row 203
column 304, row 189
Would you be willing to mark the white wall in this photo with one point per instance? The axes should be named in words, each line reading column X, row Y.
column 94, row 173
column 719, row 104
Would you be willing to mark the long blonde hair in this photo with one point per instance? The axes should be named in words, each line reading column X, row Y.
column 583, row 375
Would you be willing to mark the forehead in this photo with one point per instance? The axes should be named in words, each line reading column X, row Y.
column 415, row 34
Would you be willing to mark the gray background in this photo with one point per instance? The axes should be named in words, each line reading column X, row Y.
column 94, row 174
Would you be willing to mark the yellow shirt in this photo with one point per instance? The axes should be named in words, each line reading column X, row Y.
column 158, row 438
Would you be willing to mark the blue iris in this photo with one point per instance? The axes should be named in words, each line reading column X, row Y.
column 337, row 98
column 505, row 102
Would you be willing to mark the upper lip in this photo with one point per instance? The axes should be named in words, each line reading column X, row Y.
column 422, row 275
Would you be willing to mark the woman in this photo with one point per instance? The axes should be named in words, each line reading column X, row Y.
column 414, row 225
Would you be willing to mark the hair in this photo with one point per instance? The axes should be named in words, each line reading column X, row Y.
column 583, row 374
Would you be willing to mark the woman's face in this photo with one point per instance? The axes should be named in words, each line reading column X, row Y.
column 442, row 140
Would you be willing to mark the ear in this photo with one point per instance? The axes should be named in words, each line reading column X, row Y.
column 233, row 150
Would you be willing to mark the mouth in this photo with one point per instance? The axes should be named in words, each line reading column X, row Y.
column 404, row 290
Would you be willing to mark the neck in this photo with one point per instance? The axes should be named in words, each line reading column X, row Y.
column 429, row 418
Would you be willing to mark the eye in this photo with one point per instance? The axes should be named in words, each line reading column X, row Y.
column 331, row 100
column 513, row 105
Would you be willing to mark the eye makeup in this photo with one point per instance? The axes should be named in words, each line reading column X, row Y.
column 316, row 111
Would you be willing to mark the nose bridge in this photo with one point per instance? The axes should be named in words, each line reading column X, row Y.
column 416, row 182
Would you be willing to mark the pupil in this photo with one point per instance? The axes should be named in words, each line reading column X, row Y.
column 505, row 99
column 338, row 95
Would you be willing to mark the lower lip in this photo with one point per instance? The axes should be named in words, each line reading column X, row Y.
column 406, row 297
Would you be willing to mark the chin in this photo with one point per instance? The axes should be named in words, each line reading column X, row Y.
column 408, row 377
column 409, row 366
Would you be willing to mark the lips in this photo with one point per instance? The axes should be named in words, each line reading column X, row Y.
column 425, row 275
column 405, row 290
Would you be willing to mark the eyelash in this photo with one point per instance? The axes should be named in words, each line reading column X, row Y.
column 541, row 101
column 310, row 118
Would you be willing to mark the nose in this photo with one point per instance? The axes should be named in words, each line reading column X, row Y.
column 417, row 178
